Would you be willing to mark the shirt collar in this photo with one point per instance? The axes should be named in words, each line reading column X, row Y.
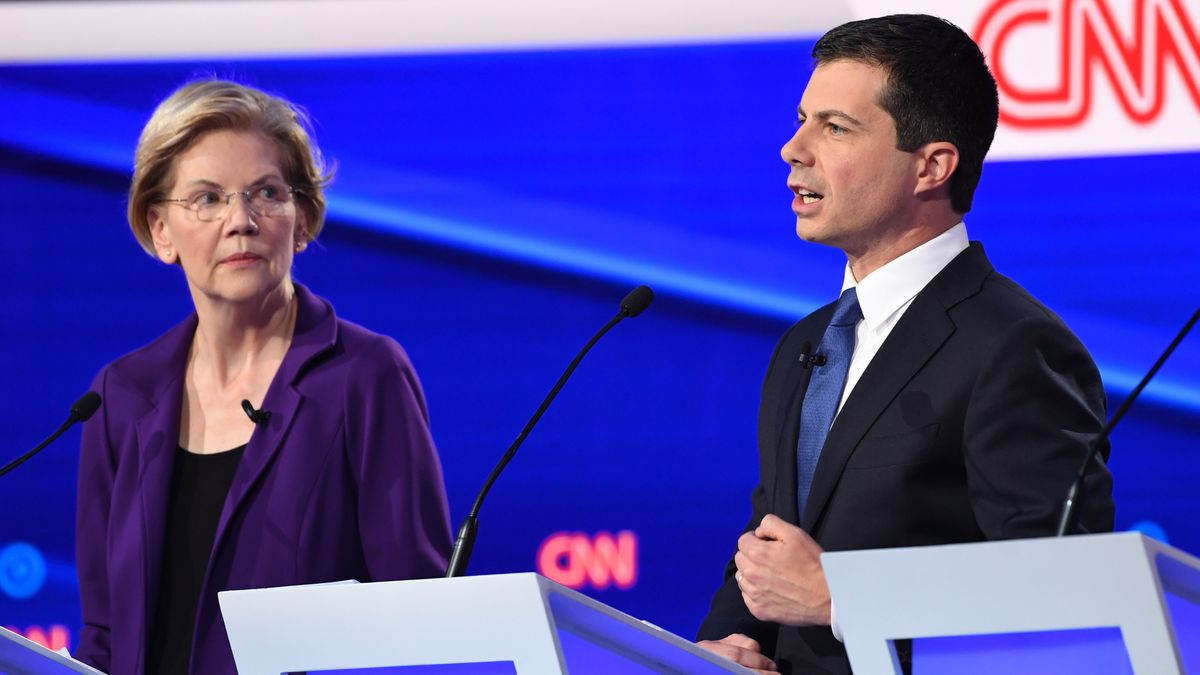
column 888, row 288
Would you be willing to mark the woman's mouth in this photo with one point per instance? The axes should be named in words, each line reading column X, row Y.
column 241, row 259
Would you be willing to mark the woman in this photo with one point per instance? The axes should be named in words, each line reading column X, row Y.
column 263, row 441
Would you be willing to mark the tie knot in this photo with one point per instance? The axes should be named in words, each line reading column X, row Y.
column 847, row 312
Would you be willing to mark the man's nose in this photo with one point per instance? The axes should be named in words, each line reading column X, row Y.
column 796, row 150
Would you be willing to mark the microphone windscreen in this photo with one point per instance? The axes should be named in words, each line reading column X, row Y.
column 86, row 406
column 637, row 301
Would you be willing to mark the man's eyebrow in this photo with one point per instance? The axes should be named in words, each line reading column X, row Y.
column 827, row 114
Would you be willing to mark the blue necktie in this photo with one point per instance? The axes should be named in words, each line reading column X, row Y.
column 825, row 391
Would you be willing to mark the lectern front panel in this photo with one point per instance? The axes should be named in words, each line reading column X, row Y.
column 490, row 668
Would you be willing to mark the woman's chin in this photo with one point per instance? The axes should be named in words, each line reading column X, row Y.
column 246, row 290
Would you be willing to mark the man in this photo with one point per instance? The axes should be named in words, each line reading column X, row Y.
column 936, row 401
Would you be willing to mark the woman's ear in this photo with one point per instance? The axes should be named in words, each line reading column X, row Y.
column 301, row 234
column 159, row 236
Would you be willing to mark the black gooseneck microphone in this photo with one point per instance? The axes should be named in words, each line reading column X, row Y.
column 256, row 416
column 82, row 409
column 1066, row 521
column 633, row 304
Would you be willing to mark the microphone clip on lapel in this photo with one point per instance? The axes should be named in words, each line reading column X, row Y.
column 256, row 416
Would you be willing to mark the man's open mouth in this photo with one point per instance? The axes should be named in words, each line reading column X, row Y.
column 809, row 197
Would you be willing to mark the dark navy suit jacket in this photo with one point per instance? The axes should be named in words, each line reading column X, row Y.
column 342, row 482
column 968, row 424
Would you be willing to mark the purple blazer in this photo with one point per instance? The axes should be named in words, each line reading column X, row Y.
column 342, row 482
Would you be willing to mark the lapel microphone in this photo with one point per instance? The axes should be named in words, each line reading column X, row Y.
column 256, row 416
column 808, row 360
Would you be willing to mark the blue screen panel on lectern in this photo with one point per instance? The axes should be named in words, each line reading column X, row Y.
column 488, row 668
column 1086, row 651
column 1181, row 590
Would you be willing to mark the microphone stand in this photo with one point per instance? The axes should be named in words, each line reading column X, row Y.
column 631, row 306
column 1066, row 521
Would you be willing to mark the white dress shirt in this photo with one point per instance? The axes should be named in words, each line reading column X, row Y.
column 883, row 296
column 888, row 291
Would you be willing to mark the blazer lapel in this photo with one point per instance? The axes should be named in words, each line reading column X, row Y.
column 282, row 401
column 158, row 437
column 795, row 383
column 918, row 335
column 316, row 331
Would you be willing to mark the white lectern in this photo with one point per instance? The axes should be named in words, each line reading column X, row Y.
column 21, row 656
column 1110, row 603
column 504, row 624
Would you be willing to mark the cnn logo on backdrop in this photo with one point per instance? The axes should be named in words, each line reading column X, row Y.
column 1082, row 78
column 1092, row 46
column 599, row 561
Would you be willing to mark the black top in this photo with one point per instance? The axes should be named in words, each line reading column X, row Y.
column 199, row 486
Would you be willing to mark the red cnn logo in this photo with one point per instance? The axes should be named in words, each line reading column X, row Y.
column 575, row 560
column 1087, row 35
column 54, row 638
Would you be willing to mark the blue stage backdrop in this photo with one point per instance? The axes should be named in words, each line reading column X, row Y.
column 489, row 212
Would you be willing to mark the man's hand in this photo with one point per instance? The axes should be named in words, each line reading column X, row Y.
column 743, row 651
column 780, row 575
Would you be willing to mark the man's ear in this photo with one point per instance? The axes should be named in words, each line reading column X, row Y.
column 936, row 163
column 158, row 235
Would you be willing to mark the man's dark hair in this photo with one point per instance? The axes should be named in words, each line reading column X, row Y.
column 938, row 86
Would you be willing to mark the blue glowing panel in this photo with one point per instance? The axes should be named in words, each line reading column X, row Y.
column 1185, row 618
column 594, row 643
column 594, row 659
column 1089, row 651
column 488, row 668
column 1181, row 590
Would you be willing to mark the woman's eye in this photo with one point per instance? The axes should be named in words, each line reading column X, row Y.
column 206, row 199
column 271, row 192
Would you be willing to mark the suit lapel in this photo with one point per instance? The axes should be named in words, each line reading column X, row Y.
column 917, row 336
column 785, row 461
column 794, row 384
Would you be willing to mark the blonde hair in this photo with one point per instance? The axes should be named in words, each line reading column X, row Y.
column 214, row 105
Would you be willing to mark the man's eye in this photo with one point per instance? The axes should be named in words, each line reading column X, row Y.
column 800, row 122
column 836, row 129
